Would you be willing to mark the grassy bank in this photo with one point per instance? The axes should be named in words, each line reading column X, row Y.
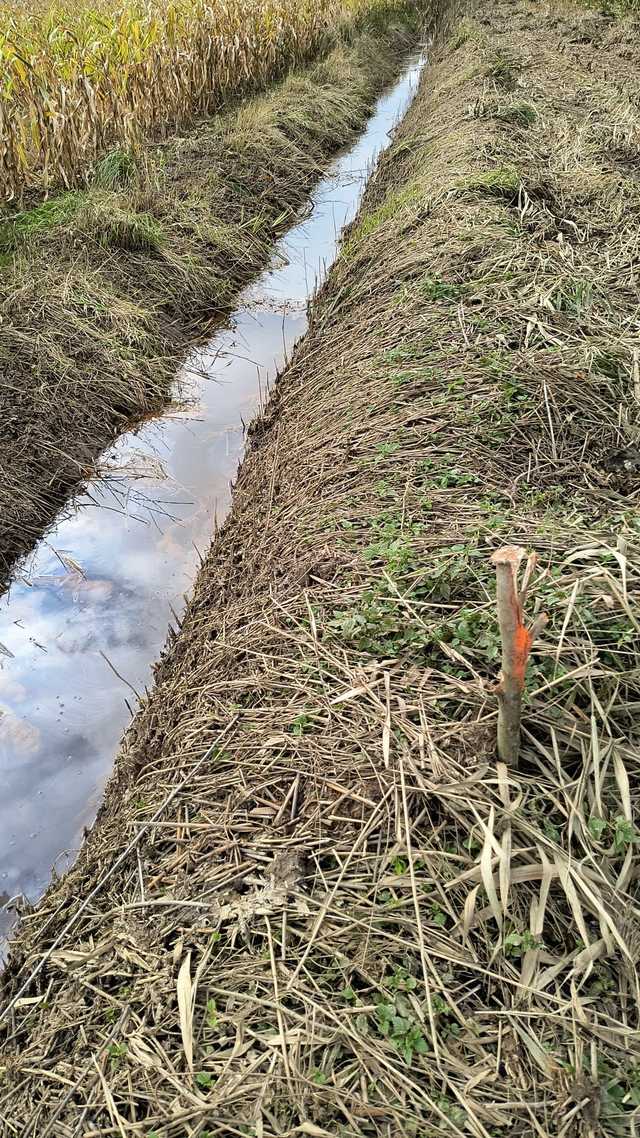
column 103, row 290
column 343, row 916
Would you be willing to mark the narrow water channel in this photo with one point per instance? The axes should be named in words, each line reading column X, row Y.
column 88, row 614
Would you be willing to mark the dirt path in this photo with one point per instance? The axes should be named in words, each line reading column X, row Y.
column 346, row 918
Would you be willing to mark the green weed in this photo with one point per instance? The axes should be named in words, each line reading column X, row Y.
column 394, row 552
column 608, row 364
column 29, row 223
column 575, row 297
column 597, row 827
column 472, row 628
column 504, row 69
column 116, row 1053
column 516, row 943
column 503, row 181
column 212, row 1014
column 403, row 353
column 434, row 289
column 392, row 207
column 301, row 725
column 456, row 477
column 618, row 832
column 619, row 1094
column 438, row 916
column 377, row 626
column 401, row 981
column 524, row 114
column 387, row 449
column 513, row 393
column 115, row 171
column 121, row 229
column 452, row 1110
column 395, row 1020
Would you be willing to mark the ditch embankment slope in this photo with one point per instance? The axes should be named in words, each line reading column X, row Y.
column 349, row 919
column 104, row 290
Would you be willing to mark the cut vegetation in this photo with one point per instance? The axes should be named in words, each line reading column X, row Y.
column 103, row 289
column 339, row 915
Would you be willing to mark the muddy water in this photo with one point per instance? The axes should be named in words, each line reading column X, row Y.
column 88, row 614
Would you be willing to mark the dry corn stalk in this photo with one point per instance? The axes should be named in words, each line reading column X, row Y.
column 77, row 80
column 516, row 645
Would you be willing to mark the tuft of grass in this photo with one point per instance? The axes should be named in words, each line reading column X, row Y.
column 115, row 170
column 467, row 30
column 504, row 69
column 118, row 228
column 499, row 180
column 522, row 113
column 392, row 209
column 27, row 224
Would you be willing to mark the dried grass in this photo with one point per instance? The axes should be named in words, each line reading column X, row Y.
column 352, row 917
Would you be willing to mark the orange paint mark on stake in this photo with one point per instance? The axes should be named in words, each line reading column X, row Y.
column 516, row 645
column 522, row 642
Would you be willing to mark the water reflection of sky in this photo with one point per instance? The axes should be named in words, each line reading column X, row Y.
column 82, row 625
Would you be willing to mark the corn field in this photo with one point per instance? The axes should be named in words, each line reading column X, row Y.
column 75, row 81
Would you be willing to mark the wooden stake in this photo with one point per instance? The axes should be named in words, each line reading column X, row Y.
column 516, row 646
